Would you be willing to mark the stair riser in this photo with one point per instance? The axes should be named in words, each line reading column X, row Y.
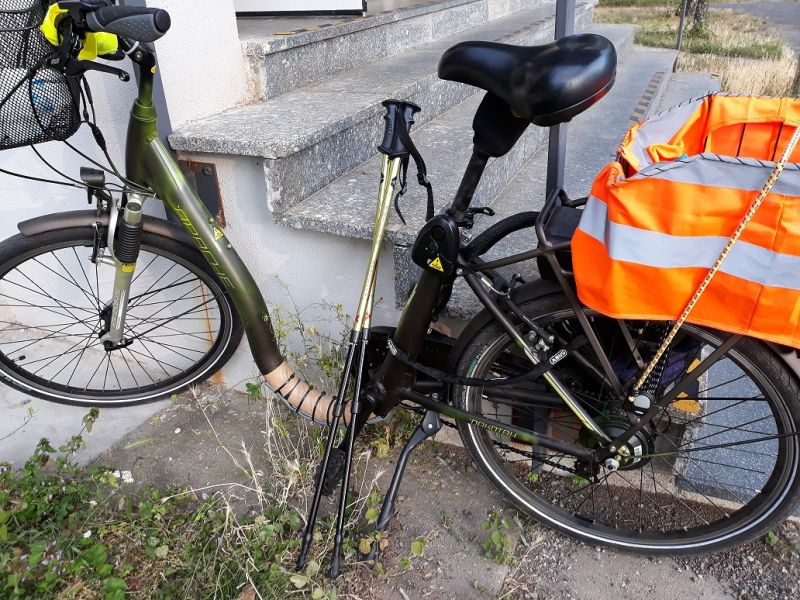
column 279, row 72
column 294, row 178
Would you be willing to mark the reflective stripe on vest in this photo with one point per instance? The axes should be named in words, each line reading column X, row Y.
column 663, row 251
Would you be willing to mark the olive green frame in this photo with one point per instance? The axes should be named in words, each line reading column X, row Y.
column 149, row 163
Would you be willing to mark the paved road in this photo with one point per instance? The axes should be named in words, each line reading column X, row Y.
column 784, row 15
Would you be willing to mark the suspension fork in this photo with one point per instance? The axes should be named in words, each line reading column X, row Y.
column 124, row 242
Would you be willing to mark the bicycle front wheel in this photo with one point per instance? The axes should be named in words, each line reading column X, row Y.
column 717, row 467
column 55, row 305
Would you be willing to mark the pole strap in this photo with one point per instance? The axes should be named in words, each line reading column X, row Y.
column 422, row 172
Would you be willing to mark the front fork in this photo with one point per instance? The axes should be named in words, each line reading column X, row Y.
column 124, row 242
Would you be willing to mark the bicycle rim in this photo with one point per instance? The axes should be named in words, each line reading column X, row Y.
column 679, row 494
column 54, row 308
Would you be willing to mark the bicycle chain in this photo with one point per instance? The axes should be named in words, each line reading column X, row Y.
column 531, row 455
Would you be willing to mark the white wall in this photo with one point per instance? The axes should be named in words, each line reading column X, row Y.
column 201, row 61
column 201, row 67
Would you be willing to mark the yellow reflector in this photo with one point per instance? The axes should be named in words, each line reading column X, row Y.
column 689, row 405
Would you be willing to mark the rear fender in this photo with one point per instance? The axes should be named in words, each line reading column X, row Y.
column 87, row 218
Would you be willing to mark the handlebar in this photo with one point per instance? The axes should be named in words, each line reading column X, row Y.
column 135, row 23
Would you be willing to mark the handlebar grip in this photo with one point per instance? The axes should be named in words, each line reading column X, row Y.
column 131, row 22
column 392, row 144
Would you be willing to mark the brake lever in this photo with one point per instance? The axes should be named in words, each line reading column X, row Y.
column 79, row 67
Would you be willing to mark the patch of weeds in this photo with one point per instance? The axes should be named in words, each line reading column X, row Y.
column 66, row 531
column 500, row 545
column 312, row 338
column 254, row 388
column 785, row 542
column 579, row 481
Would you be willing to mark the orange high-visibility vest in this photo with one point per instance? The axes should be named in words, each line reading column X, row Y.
column 658, row 217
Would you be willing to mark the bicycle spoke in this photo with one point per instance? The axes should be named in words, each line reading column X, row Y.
column 55, row 313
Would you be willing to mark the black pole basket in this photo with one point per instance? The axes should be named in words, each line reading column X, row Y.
column 38, row 103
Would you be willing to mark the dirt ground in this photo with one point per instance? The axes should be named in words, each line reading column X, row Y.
column 444, row 502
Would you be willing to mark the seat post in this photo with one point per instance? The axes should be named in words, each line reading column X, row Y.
column 469, row 183
column 557, row 147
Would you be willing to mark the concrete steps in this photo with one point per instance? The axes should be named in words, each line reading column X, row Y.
column 312, row 56
column 346, row 206
column 310, row 136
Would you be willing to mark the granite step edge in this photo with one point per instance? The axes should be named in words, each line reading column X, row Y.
column 315, row 213
column 232, row 132
column 253, row 45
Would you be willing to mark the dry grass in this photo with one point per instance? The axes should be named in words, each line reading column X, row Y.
column 741, row 49
column 745, row 75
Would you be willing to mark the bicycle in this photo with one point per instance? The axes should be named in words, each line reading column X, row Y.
column 537, row 383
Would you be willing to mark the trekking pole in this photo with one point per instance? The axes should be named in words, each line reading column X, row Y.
column 390, row 170
column 355, row 409
column 361, row 327
column 773, row 177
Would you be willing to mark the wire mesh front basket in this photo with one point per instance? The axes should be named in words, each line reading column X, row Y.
column 37, row 102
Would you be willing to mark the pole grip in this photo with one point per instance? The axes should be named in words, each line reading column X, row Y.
column 399, row 115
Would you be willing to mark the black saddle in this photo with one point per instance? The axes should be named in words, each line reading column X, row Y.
column 546, row 84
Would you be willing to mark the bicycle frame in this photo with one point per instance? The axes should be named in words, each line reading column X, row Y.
column 149, row 163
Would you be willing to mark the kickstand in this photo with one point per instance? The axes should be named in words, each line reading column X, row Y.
column 429, row 426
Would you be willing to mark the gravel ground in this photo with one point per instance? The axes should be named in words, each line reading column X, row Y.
column 757, row 570
column 552, row 566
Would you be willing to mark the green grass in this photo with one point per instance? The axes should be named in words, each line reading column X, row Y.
column 727, row 33
column 67, row 532
column 704, row 44
column 742, row 50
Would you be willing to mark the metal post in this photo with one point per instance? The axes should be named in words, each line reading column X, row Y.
column 684, row 3
column 557, row 148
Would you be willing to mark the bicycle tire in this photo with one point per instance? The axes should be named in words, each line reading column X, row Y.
column 49, row 270
column 725, row 516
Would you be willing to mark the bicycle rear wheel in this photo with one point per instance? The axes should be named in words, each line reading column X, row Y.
column 716, row 468
column 181, row 325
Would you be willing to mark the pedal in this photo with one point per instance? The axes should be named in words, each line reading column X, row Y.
column 335, row 471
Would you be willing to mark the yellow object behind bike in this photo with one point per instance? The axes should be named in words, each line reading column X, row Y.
column 94, row 44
